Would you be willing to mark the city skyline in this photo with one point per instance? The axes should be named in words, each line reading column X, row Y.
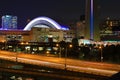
column 61, row 11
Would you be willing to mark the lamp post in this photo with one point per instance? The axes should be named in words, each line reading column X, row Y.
column 5, row 45
column 16, row 58
column 66, row 51
column 60, row 53
column 16, row 52
column 66, row 58
column 101, row 54
column 58, row 46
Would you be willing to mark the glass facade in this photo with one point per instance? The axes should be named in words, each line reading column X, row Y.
column 9, row 22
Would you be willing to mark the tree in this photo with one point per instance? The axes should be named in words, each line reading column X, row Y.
column 62, row 43
column 75, row 42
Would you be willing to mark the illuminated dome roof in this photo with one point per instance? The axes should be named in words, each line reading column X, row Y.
column 42, row 21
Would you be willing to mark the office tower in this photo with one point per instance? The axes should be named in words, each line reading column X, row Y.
column 9, row 22
column 92, row 20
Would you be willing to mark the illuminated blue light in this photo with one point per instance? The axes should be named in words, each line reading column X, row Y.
column 45, row 19
column 64, row 28
column 91, row 21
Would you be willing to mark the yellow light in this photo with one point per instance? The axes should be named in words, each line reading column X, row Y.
column 22, row 43
column 26, row 42
column 47, row 52
column 3, row 41
column 100, row 47
column 57, row 45
column 70, row 45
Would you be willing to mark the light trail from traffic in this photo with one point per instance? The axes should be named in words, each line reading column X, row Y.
column 58, row 64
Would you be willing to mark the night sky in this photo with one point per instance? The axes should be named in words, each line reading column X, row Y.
column 59, row 10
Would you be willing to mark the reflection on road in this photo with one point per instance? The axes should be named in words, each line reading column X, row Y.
column 103, row 69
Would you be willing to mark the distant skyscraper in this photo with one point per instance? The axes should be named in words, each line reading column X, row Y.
column 9, row 22
column 92, row 20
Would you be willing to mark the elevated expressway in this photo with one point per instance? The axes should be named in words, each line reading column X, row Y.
column 102, row 69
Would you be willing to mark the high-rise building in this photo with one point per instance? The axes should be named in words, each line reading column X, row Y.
column 92, row 20
column 9, row 22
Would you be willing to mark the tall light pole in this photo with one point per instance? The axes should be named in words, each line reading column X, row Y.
column 16, row 58
column 59, row 54
column 101, row 54
column 16, row 52
column 66, row 51
column 66, row 58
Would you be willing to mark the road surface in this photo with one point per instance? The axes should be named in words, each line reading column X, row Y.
column 103, row 69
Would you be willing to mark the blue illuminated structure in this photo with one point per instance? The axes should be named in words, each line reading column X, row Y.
column 46, row 21
column 9, row 22
column 91, row 21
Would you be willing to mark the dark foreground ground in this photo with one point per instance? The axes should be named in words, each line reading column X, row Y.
column 18, row 71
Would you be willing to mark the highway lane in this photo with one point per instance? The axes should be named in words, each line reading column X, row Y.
column 42, row 72
column 103, row 69
column 38, row 73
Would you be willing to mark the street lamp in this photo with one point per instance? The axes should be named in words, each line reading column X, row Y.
column 67, row 46
column 59, row 54
column 16, row 58
column 16, row 52
column 66, row 58
column 101, row 54
column 5, row 44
